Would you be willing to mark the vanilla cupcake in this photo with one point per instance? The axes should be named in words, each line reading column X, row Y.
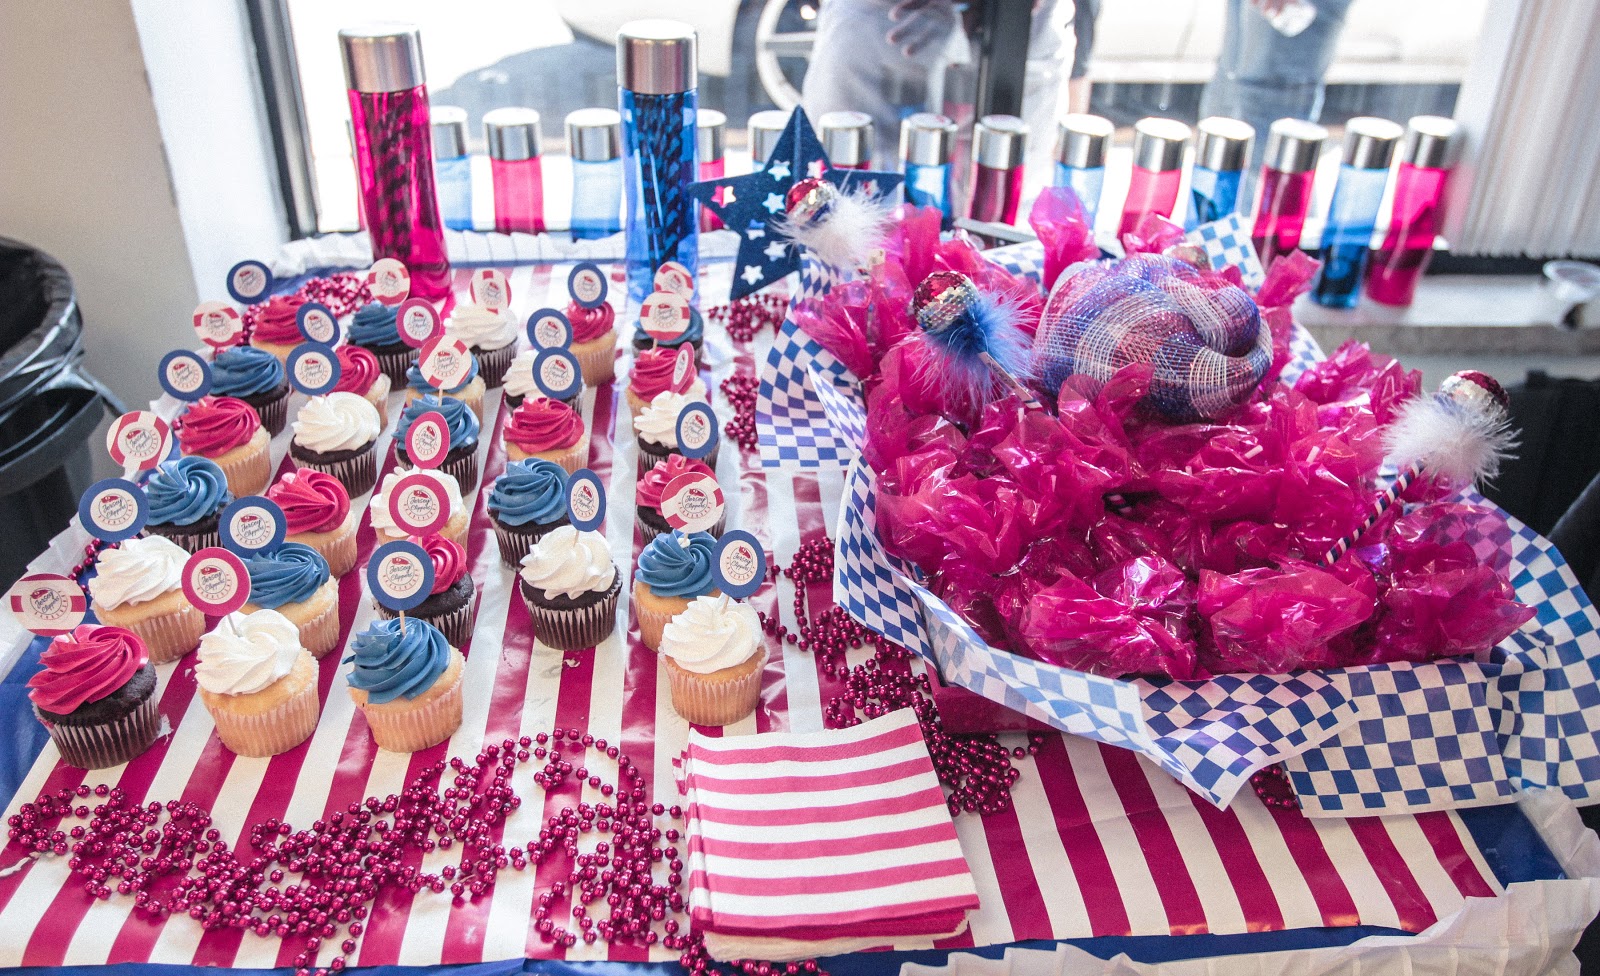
column 337, row 433
column 258, row 683
column 406, row 679
column 229, row 432
column 594, row 341
column 674, row 569
column 713, row 655
column 138, row 586
column 316, row 507
column 491, row 335
column 570, row 586
column 548, row 430
column 656, row 427
column 296, row 581
column 455, row 530
column 470, row 391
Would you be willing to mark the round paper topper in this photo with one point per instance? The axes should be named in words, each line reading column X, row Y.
column 400, row 575
column 696, row 430
column 252, row 524
column 586, row 500
column 184, row 375
column 314, row 368
column 682, row 364
column 738, row 564
column 664, row 315
column 557, row 374
column 139, row 440
column 490, row 289
column 418, row 322
column 418, row 505
column 249, row 282
column 216, row 581
column 549, row 329
column 317, row 323
column 587, row 285
column 428, row 440
column 218, row 324
column 445, row 363
column 47, row 604
column 389, row 281
column 113, row 509
column 675, row 278
column 692, row 502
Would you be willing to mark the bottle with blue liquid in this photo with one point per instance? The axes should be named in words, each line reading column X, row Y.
column 1221, row 157
column 926, row 141
column 594, row 141
column 1369, row 146
column 452, row 166
column 657, row 75
column 1082, row 142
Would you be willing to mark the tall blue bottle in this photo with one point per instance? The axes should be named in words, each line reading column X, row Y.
column 926, row 141
column 1221, row 156
column 1369, row 146
column 452, row 167
column 1081, row 145
column 656, row 72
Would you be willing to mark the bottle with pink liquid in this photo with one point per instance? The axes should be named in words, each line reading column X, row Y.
column 514, row 150
column 1431, row 148
column 1158, row 146
column 1287, row 173
column 711, row 130
column 999, row 145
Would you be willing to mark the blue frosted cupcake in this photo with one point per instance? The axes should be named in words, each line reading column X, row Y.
column 256, row 377
column 406, row 680
column 462, row 459
column 527, row 500
column 374, row 329
column 296, row 582
column 186, row 498
column 470, row 391
column 673, row 569
column 694, row 335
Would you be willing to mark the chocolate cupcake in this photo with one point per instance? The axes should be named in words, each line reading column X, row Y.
column 570, row 586
column 656, row 428
column 449, row 606
column 256, row 377
column 652, row 486
column 694, row 335
column 470, row 390
column 527, row 501
column 461, row 461
column 186, row 498
column 374, row 329
column 96, row 695
column 337, row 433
column 490, row 335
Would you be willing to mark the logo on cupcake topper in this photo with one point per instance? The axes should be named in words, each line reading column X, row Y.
column 249, row 282
column 317, row 323
column 557, row 374
column 314, row 369
column 252, row 524
column 674, row 277
column 586, row 500
column 418, row 322
column 490, row 289
column 738, row 564
column 692, row 502
column 139, row 440
column 587, row 285
column 696, row 430
column 389, row 281
column 47, row 604
column 113, row 510
column 428, row 440
column 184, row 375
column 549, row 329
column 418, row 505
column 218, row 324
column 664, row 316
column 400, row 575
column 216, row 581
column 445, row 363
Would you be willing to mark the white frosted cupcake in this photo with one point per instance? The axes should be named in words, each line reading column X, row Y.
column 258, row 683
column 570, row 586
column 138, row 586
column 714, row 657
column 656, row 427
column 518, row 383
column 491, row 335
column 455, row 530
column 338, row 433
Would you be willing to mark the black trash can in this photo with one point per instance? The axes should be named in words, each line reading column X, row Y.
column 49, row 407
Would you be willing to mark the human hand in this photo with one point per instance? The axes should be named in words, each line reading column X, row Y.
column 920, row 25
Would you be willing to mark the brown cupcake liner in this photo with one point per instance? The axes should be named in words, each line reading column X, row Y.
column 398, row 727
column 249, row 473
column 108, row 743
column 465, row 470
column 273, row 732
column 650, row 532
column 516, row 542
column 456, row 626
column 704, row 702
column 357, row 474
column 493, row 363
column 190, row 540
column 395, row 364
column 170, row 636
column 274, row 413
column 572, row 630
column 597, row 359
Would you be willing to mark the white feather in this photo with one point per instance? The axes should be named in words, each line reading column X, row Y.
column 854, row 227
column 1463, row 446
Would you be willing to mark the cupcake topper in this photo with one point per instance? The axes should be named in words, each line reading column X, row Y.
column 389, row 281
column 588, row 286
column 664, row 316
column 113, row 510
column 418, row 505
column 184, row 375
column 682, row 364
column 674, row 277
column 428, row 440
column 696, row 431
column 218, row 324
column 400, row 576
column 249, row 282
column 586, row 500
column 692, row 502
column 557, row 374
column 418, row 322
column 445, row 363
column 738, row 564
column 490, row 289
column 216, row 581
column 317, row 323
column 47, row 604
column 314, row 368
column 549, row 329
column 139, row 440
column 252, row 524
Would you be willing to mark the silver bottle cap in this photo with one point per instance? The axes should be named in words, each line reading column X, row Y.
column 512, row 133
column 382, row 57
column 763, row 131
column 656, row 57
column 1082, row 141
column 594, row 135
column 1000, row 141
column 711, row 130
column 1369, row 143
column 1432, row 142
column 449, row 125
column 1224, row 144
column 847, row 138
column 1158, row 144
column 1293, row 145
column 926, row 139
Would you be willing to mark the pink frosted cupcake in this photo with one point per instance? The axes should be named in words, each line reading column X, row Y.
column 594, row 341
column 359, row 373
column 549, row 430
column 228, row 431
column 451, row 605
column 96, row 696
column 316, row 507
column 277, row 329
column 652, row 486
column 652, row 374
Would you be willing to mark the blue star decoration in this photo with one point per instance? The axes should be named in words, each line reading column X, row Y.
column 757, row 203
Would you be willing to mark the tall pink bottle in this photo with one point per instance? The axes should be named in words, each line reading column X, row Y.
column 394, row 152
column 1158, row 146
column 1432, row 145
column 514, row 142
column 999, row 146
column 1287, row 173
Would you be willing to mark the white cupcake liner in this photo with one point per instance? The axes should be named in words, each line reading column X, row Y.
column 250, row 472
column 320, row 634
column 272, row 732
column 109, row 743
column 338, row 549
column 598, row 359
column 399, row 727
column 168, row 636
column 708, row 702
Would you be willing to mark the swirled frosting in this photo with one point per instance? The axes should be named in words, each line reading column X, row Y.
column 381, row 519
column 291, row 574
column 533, row 490
column 655, row 481
column 449, row 561
column 358, row 371
column 543, row 425
column 397, row 659
column 458, row 418
column 246, row 653
column 276, row 321
column 374, row 325
column 694, row 333
column 186, row 490
column 652, row 373
column 518, row 381
column 216, row 425
column 569, row 563
column 658, row 423
column 416, row 382
column 137, row 571
column 336, row 422
column 481, row 328
column 675, row 564
column 245, row 371
column 712, row 633
column 589, row 324
column 312, row 501
column 86, row 665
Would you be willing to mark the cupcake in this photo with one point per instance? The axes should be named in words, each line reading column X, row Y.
column 455, row 530
column 527, row 500
column 594, row 341
column 656, row 427
column 519, row 384
column 296, row 581
column 277, row 329
column 258, row 683
column 360, row 374
column 673, row 570
column 186, row 497
column 406, row 680
column 256, row 377
column 461, row 462
column 228, row 431
column 450, row 605
column 570, row 586
column 96, row 696
column 316, row 508
column 713, row 655
column 374, row 329
column 694, row 335
column 338, row 433
column 470, row 391
column 654, row 482
column 491, row 335
column 652, row 374
column 549, row 430
column 138, row 586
